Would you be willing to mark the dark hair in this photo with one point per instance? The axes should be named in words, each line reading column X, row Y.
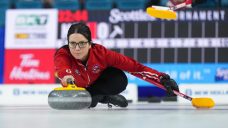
column 80, row 28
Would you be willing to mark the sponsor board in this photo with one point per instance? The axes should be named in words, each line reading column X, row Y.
column 117, row 15
column 221, row 74
column 31, row 29
column 25, row 94
column 189, row 73
column 218, row 92
column 1, row 53
column 29, row 66
column 37, row 94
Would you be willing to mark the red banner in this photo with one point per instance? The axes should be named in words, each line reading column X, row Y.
column 29, row 66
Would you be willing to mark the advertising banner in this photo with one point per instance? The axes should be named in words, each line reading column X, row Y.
column 189, row 73
column 29, row 66
column 31, row 28
column 37, row 94
column 25, row 94
column 218, row 92
column 1, row 53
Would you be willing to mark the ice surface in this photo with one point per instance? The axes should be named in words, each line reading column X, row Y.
column 142, row 115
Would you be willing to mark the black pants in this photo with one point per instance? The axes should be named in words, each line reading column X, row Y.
column 111, row 82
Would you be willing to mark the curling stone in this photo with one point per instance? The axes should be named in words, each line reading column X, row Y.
column 69, row 98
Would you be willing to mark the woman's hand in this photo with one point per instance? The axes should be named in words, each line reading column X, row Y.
column 64, row 80
column 169, row 84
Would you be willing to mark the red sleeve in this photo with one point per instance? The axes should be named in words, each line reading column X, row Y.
column 130, row 65
column 62, row 63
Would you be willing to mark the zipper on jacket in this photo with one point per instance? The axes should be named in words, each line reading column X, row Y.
column 85, row 68
column 87, row 73
column 87, row 76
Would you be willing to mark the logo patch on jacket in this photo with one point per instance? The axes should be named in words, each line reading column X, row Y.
column 96, row 69
column 77, row 72
column 68, row 71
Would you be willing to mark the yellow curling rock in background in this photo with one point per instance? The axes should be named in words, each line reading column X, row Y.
column 161, row 12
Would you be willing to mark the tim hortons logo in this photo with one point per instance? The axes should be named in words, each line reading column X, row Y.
column 27, row 69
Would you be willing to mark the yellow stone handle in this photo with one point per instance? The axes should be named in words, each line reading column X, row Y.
column 70, row 86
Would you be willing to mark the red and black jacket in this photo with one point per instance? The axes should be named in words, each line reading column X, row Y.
column 99, row 59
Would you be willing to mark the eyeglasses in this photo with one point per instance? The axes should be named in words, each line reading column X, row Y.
column 80, row 44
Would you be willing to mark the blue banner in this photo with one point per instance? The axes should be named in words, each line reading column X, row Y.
column 1, row 53
column 189, row 73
